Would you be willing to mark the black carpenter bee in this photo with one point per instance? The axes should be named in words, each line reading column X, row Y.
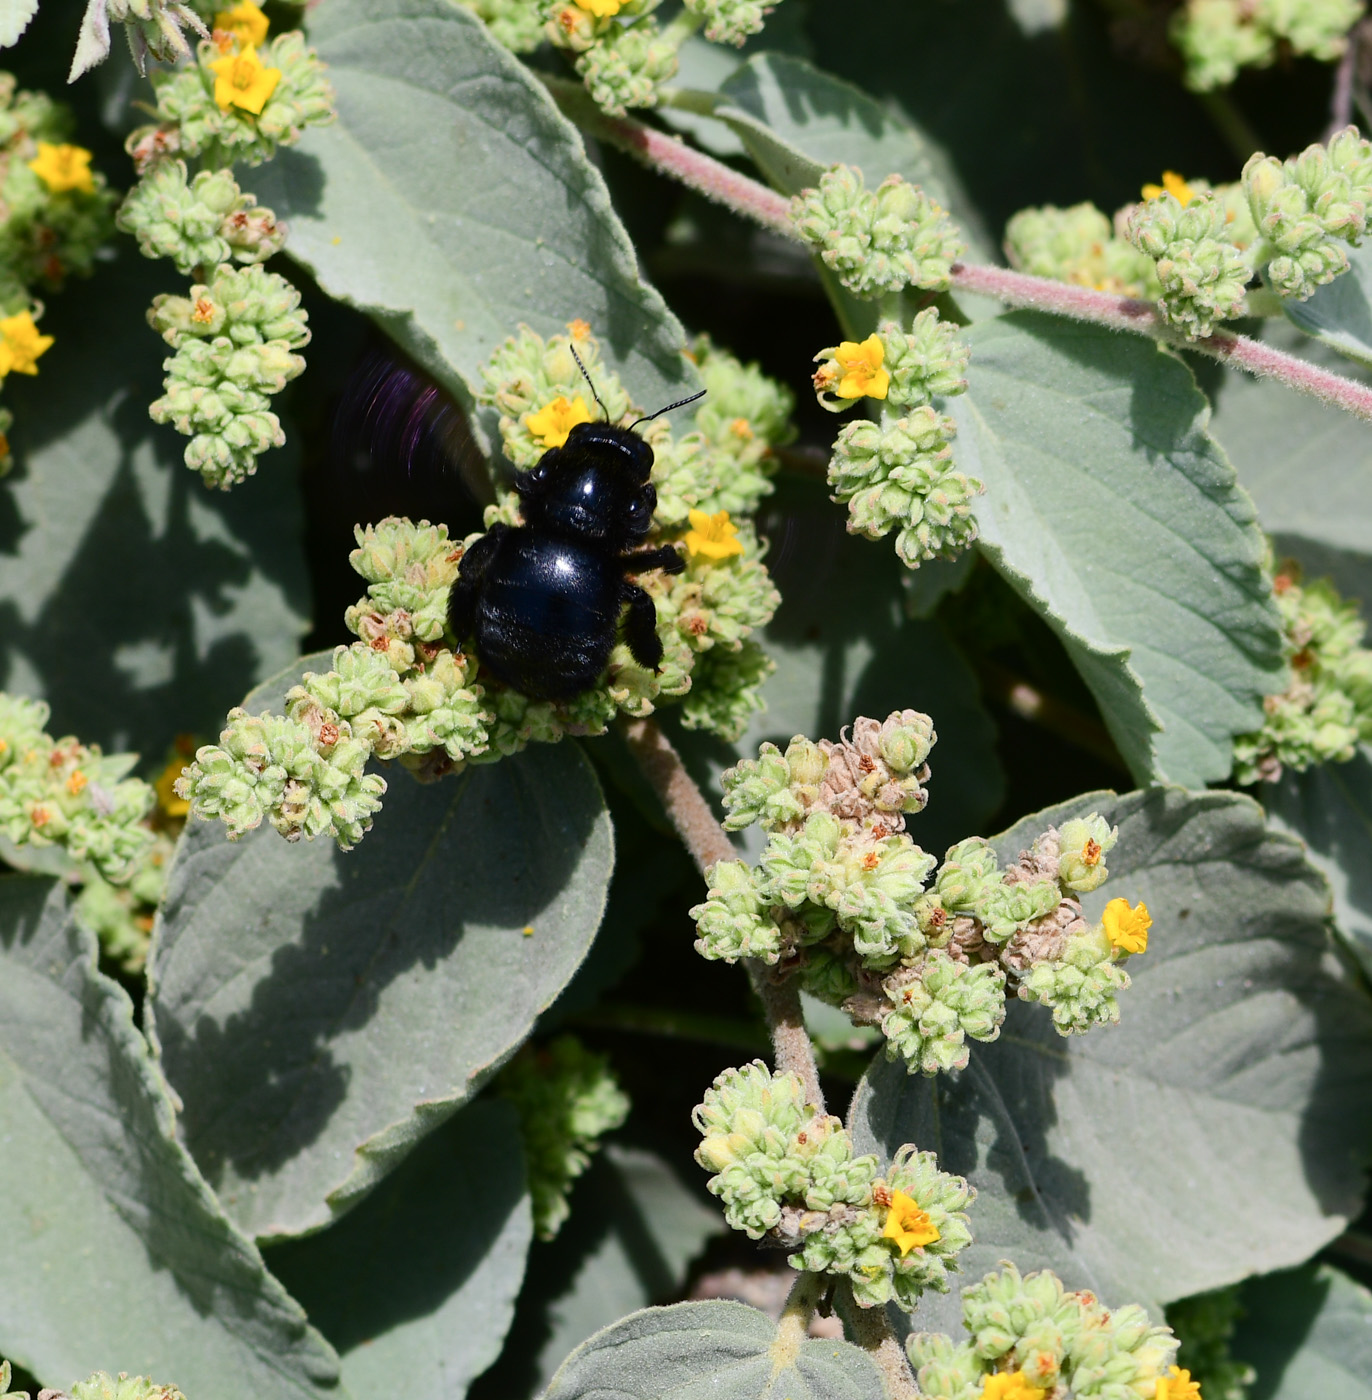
column 543, row 600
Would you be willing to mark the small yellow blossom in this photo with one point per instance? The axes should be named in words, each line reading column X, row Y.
column 20, row 344
column 714, row 536
column 63, row 168
column 742, row 429
column 601, row 9
column 907, row 1224
column 1177, row 1385
column 168, row 801
column 244, row 21
column 578, row 329
column 1125, row 927
column 551, row 424
column 863, row 376
column 1172, row 184
column 242, row 80
column 76, row 781
column 1011, row 1385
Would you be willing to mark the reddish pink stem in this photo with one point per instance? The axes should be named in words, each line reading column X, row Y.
column 715, row 180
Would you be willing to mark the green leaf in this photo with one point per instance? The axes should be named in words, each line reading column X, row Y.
column 726, row 1350
column 1110, row 510
column 416, row 1288
column 451, row 201
column 1218, row 1130
column 320, row 1012
column 634, row 1229
column 1308, row 1332
column 93, row 40
column 1329, row 807
column 796, row 120
column 134, row 600
column 1340, row 312
column 117, row 1255
column 14, row 19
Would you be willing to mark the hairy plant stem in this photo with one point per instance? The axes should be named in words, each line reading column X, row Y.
column 672, row 157
column 708, row 842
column 799, row 1308
column 873, row 1334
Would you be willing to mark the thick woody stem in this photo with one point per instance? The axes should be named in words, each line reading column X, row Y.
column 708, row 842
column 873, row 1334
column 673, row 157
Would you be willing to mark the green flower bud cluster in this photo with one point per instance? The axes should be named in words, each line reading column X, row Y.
column 898, row 474
column 1202, row 273
column 877, row 241
column 198, row 223
column 517, row 24
column 46, row 234
column 59, row 792
column 626, row 68
column 936, row 1003
column 121, row 916
column 1327, row 709
column 1079, row 245
column 724, row 594
column 567, row 1098
column 787, row 1172
column 235, row 340
column 1204, row 1324
column 222, row 136
column 1218, row 37
column 731, row 21
column 1049, row 1340
column 101, row 1386
column 1309, row 209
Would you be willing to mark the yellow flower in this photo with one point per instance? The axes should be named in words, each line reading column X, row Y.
column 551, row 424
column 907, row 1224
column 1011, row 1385
column 1172, row 184
column 245, row 22
column 165, row 786
column 63, row 168
column 714, row 536
column 601, row 9
column 578, row 329
column 1126, row 928
column 863, row 376
column 242, row 80
column 20, row 344
column 1177, row 1385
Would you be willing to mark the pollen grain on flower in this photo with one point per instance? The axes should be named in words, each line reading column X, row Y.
column 1172, row 184
column 1011, row 1385
column 1127, row 927
column 712, row 536
column 907, row 1225
column 244, row 21
column 21, row 344
column 1177, row 1385
column 863, row 374
column 63, row 168
column 76, row 781
column 242, row 80
column 553, row 422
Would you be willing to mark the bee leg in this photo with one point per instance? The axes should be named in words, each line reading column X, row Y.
column 665, row 558
column 471, row 574
column 640, row 626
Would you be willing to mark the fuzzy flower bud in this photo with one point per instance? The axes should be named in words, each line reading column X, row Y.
column 726, row 690
column 101, row 1386
column 925, row 363
column 1202, row 274
column 734, row 921
column 731, row 21
column 1082, row 845
column 877, row 241
column 567, row 1098
column 409, row 569
column 1218, row 37
column 1081, row 986
column 935, row 1006
column 517, row 24
column 625, row 68
column 1078, row 245
column 155, row 27
column 198, row 223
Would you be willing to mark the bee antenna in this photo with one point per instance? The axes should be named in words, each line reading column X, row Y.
column 588, row 379
column 690, row 398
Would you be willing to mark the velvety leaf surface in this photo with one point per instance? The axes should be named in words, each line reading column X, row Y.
column 138, row 602
column 14, row 19
column 725, row 1350
column 1340, row 312
column 1218, row 1130
column 451, row 201
column 634, row 1229
column 1116, row 517
column 417, row 1286
column 319, row 1012
column 1308, row 1332
column 117, row 1255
